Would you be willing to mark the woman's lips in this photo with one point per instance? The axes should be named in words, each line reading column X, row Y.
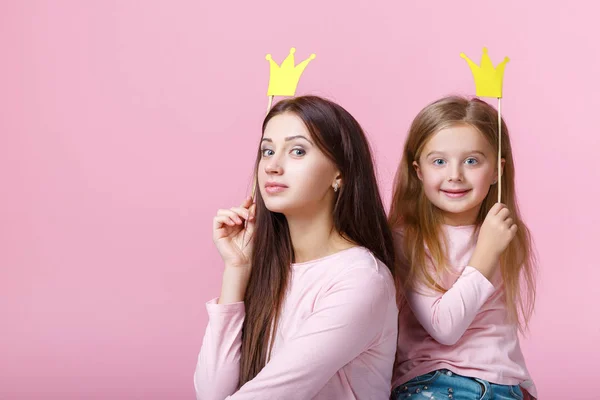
column 275, row 187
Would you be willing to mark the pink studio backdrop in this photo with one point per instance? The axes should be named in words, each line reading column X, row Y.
column 124, row 126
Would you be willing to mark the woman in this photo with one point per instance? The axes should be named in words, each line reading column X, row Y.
column 307, row 306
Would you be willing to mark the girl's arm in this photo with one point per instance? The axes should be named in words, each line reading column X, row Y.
column 447, row 316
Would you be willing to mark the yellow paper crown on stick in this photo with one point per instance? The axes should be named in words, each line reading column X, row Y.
column 284, row 78
column 488, row 80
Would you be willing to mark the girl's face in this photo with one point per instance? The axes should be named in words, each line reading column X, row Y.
column 294, row 175
column 457, row 167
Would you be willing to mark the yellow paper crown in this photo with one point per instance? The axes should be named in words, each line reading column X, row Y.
column 488, row 80
column 284, row 78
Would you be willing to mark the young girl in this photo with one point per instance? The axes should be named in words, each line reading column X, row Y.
column 307, row 306
column 465, row 262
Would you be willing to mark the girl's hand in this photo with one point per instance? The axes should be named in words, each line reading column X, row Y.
column 496, row 233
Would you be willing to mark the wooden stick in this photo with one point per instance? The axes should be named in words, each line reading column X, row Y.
column 268, row 109
column 499, row 150
column 254, row 180
column 254, row 183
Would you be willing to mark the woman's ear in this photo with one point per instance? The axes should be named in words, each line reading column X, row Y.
column 337, row 182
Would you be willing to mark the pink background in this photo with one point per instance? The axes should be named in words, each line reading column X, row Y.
column 124, row 126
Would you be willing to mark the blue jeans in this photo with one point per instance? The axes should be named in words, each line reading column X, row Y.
column 444, row 384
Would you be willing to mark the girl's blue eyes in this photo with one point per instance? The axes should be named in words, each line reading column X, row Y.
column 468, row 161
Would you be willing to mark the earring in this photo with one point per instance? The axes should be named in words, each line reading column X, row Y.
column 336, row 187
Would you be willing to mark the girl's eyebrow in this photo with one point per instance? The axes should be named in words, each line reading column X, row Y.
column 467, row 152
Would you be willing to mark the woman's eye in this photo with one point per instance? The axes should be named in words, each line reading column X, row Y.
column 439, row 161
column 298, row 152
column 267, row 152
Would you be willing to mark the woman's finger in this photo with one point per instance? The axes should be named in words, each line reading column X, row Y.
column 231, row 214
column 242, row 212
column 247, row 202
column 221, row 220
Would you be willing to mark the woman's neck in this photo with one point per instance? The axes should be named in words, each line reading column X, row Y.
column 315, row 237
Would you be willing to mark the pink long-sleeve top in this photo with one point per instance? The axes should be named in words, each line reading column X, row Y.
column 336, row 337
column 464, row 330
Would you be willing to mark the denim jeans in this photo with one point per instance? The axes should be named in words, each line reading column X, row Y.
column 444, row 384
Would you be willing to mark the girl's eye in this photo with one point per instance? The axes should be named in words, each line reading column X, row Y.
column 471, row 161
column 298, row 152
column 267, row 152
column 439, row 161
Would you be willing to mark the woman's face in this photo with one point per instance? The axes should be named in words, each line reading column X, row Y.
column 294, row 175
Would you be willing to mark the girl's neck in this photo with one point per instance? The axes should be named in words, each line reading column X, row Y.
column 467, row 218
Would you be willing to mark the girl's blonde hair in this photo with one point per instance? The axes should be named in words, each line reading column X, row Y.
column 423, row 243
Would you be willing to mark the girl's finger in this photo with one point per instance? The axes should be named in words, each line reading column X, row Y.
column 504, row 213
column 496, row 208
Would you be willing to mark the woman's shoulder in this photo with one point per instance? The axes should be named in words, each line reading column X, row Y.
column 360, row 264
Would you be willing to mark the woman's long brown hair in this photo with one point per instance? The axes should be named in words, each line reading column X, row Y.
column 358, row 215
column 420, row 221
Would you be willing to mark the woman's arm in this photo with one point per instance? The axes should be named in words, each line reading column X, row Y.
column 345, row 322
column 218, row 368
